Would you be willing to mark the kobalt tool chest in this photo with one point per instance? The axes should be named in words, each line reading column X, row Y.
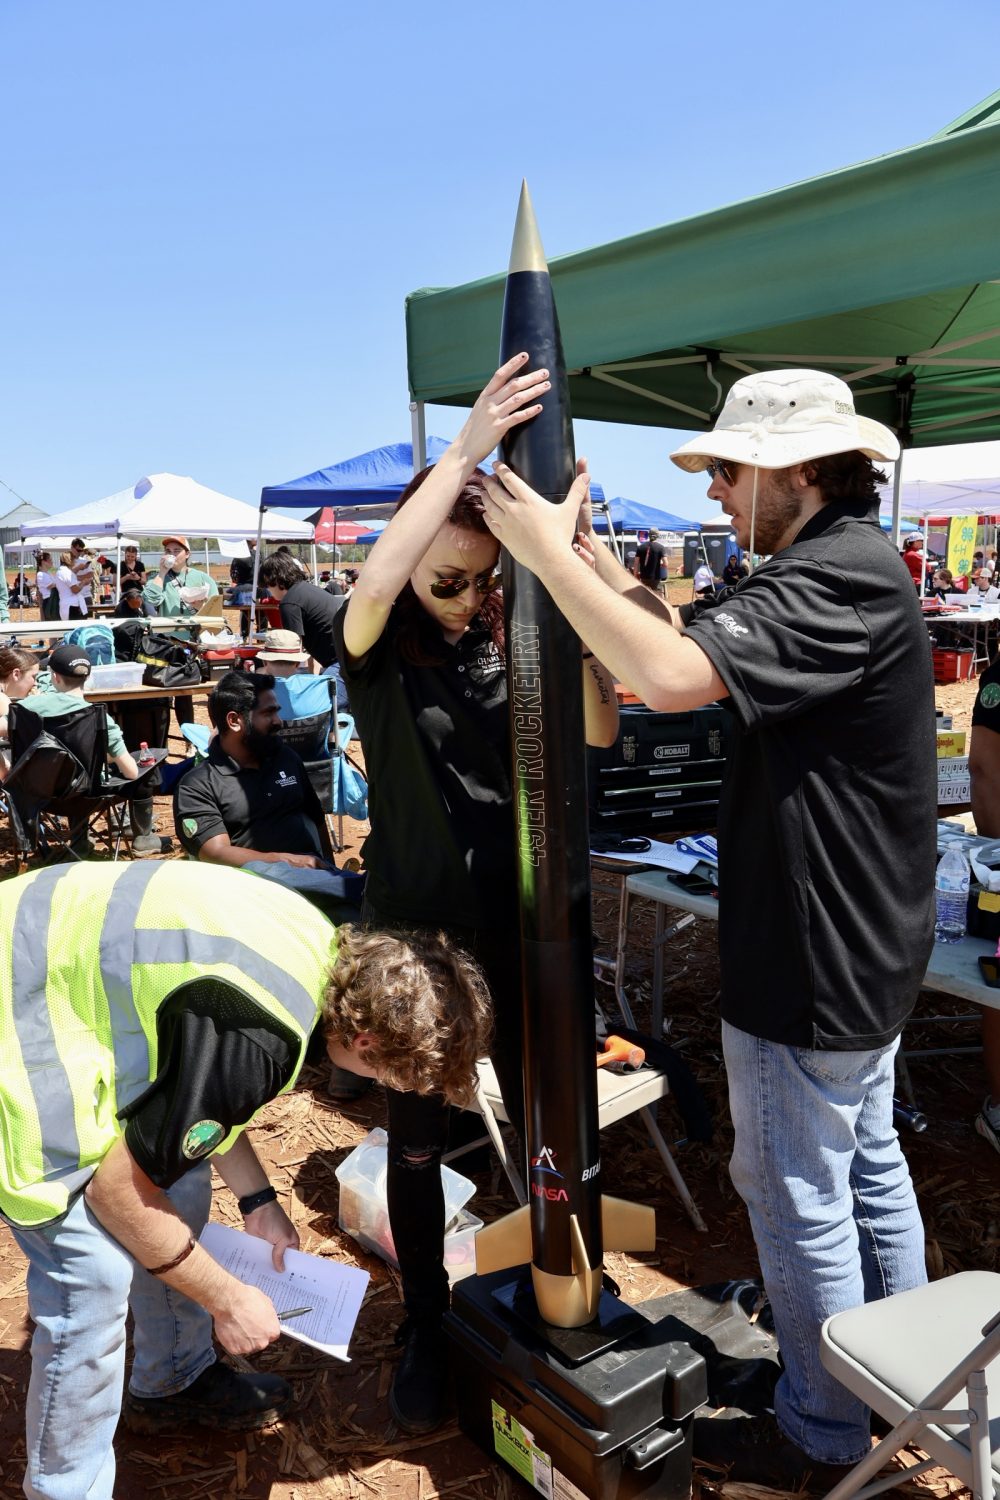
column 663, row 772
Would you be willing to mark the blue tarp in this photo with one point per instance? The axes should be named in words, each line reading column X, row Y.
column 632, row 515
column 375, row 478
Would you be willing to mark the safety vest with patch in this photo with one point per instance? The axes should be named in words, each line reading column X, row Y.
column 92, row 951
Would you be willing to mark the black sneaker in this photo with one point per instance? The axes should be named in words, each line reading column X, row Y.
column 756, row 1451
column 418, row 1399
column 220, row 1397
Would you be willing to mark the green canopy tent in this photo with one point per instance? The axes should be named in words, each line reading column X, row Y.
column 887, row 273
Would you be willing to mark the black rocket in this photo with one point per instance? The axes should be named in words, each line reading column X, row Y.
column 567, row 1224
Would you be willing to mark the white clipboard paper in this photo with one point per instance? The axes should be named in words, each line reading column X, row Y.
column 333, row 1291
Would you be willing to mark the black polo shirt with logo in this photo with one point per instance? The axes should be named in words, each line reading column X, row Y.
column 436, row 741
column 827, row 821
column 986, row 713
column 273, row 809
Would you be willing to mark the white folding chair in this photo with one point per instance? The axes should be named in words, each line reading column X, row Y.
column 924, row 1360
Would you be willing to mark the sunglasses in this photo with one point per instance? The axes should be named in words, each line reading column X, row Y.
column 716, row 469
column 450, row 588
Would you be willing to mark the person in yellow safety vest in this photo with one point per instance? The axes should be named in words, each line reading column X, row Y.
column 147, row 1012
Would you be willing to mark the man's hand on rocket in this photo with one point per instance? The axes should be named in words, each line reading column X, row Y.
column 526, row 524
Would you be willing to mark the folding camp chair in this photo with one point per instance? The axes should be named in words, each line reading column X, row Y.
column 923, row 1360
column 350, row 790
column 59, row 790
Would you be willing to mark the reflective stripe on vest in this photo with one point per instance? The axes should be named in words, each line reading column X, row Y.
column 95, row 949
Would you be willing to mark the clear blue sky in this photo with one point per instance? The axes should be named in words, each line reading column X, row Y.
column 214, row 209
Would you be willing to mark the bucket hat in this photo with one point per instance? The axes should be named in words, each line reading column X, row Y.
column 282, row 645
column 777, row 418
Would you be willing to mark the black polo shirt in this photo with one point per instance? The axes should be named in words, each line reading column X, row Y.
column 436, row 742
column 273, row 809
column 310, row 611
column 827, row 820
column 986, row 713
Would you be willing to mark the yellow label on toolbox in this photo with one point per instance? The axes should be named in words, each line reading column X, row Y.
column 951, row 742
column 989, row 901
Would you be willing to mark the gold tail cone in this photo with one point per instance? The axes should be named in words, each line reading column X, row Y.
column 565, row 1301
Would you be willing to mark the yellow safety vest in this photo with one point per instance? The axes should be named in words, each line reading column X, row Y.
column 91, row 952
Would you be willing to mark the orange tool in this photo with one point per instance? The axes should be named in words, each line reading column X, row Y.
column 621, row 1055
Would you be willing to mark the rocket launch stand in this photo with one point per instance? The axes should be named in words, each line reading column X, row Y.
column 602, row 1411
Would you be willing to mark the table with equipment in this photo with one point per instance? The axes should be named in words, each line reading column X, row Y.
column 952, row 969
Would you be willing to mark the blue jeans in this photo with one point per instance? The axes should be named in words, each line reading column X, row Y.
column 80, row 1285
column 819, row 1166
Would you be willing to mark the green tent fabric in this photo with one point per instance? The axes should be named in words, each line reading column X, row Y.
column 887, row 273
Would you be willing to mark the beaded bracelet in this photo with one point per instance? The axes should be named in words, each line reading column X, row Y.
column 257, row 1200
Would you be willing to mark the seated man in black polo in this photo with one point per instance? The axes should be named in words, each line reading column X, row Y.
column 251, row 799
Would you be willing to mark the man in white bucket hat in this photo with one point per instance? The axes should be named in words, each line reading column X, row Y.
column 827, row 844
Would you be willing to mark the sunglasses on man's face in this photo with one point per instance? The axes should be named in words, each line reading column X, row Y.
column 716, row 469
column 450, row 588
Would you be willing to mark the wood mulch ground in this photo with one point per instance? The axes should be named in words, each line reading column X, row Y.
column 341, row 1441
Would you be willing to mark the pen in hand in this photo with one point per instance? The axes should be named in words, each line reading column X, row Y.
column 293, row 1312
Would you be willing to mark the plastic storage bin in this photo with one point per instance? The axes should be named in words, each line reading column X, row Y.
column 119, row 674
column 363, row 1213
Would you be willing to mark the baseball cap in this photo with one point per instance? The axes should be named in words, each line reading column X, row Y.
column 776, row 418
column 181, row 541
column 70, row 661
column 282, row 645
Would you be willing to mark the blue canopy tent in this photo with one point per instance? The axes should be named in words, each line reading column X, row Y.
column 363, row 488
column 632, row 515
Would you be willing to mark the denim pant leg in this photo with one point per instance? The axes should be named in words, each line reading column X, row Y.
column 418, row 1129
column 811, row 1127
column 78, row 1286
column 172, row 1336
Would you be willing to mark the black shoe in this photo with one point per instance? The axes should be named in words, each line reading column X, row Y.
column 220, row 1397
column 418, row 1399
column 756, row 1451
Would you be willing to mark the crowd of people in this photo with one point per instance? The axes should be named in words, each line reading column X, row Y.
column 186, row 1022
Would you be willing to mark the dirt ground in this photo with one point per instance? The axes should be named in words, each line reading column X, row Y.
column 341, row 1441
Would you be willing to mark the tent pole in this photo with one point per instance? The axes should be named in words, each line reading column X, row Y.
column 897, row 485
column 256, row 570
column 315, row 565
column 927, row 533
column 418, row 437
column 116, row 584
column 22, row 590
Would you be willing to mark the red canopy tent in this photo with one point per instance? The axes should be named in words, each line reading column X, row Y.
column 331, row 532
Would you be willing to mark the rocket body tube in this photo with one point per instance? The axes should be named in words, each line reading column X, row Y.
column 550, row 803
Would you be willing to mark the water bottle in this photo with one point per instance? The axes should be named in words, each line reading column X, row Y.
column 146, row 758
column 951, row 895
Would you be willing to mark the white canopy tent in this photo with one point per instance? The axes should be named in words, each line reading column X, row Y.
column 164, row 504
column 951, row 497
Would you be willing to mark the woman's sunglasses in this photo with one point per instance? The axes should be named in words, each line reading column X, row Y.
column 450, row 588
column 716, row 469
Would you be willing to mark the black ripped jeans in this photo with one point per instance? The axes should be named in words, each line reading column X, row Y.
column 418, row 1123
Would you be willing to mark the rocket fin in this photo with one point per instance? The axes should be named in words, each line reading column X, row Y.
column 507, row 1242
column 627, row 1226
column 581, row 1261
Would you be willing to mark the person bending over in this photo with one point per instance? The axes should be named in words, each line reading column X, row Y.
column 116, row 1106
